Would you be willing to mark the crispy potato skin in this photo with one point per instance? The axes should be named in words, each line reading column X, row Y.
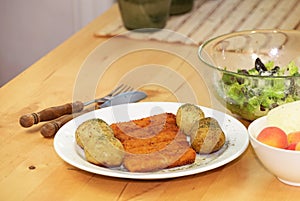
column 100, row 146
column 209, row 136
column 91, row 127
column 188, row 117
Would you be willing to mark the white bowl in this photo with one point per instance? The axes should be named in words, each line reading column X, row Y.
column 284, row 164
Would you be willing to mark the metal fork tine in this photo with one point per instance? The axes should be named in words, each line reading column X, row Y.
column 114, row 92
column 124, row 89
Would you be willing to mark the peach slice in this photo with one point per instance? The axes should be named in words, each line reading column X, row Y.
column 274, row 137
column 297, row 148
column 292, row 146
column 293, row 137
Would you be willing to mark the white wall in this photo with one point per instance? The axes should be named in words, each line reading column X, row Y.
column 31, row 28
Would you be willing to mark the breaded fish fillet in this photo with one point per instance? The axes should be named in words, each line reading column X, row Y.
column 153, row 143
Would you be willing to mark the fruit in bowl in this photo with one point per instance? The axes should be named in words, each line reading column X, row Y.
column 274, row 137
column 253, row 72
column 294, row 138
column 277, row 143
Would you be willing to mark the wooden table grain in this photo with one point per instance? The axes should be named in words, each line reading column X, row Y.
column 30, row 169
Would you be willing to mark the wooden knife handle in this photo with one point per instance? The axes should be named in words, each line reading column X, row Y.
column 49, row 129
column 50, row 113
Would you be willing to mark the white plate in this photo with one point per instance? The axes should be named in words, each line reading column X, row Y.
column 236, row 140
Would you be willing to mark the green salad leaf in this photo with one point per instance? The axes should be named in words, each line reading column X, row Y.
column 252, row 97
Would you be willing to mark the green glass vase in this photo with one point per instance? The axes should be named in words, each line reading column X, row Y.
column 141, row 14
column 181, row 6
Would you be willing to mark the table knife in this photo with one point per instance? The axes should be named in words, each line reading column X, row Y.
column 50, row 128
column 51, row 113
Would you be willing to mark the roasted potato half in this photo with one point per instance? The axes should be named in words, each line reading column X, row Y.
column 188, row 117
column 209, row 136
column 92, row 127
column 104, row 151
column 100, row 146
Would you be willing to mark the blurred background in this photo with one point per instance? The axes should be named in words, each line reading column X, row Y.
column 26, row 29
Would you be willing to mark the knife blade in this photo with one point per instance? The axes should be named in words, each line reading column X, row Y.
column 51, row 113
column 126, row 97
column 49, row 129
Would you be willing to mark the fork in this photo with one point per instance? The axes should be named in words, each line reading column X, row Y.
column 120, row 89
column 57, row 111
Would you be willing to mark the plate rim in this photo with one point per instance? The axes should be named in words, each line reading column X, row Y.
column 89, row 167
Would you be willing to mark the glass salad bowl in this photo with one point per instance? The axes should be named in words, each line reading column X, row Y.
column 252, row 72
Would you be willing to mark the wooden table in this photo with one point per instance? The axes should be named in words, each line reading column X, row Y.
column 30, row 169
